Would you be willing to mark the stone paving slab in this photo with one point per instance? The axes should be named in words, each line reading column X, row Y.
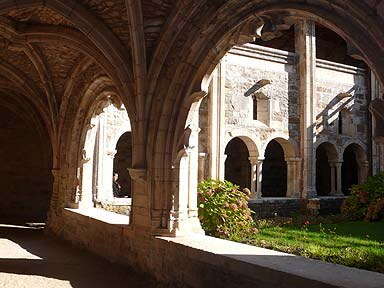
column 30, row 259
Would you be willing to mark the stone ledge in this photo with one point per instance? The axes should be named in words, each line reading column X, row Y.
column 272, row 267
column 101, row 215
column 117, row 201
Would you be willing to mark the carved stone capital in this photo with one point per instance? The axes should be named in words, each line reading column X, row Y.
column 56, row 173
column 111, row 153
column 139, row 175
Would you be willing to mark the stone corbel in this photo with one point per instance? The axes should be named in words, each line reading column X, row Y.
column 84, row 158
column 138, row 175
column 182, row 146
column 111, row 153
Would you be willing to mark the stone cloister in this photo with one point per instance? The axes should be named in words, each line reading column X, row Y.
column 184, row 79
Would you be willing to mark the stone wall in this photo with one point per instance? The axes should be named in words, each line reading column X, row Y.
column 205, row 261
column 25, row 176
column 245, row 66
column 341, row 89
column 272, row 207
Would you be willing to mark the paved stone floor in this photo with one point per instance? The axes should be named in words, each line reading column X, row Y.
column 28, row 258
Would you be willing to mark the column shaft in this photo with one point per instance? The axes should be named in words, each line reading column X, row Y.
column 306, row 51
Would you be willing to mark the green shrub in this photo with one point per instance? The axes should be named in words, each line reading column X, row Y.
column 366, row 200
column 223, row 210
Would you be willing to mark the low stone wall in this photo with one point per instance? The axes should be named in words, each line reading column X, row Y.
column 118, row 205
column 202, row 261
column 286, row 207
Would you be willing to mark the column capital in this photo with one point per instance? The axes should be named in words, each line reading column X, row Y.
column 203, row 155
column 111, row 153
column 56, row 172
column 253, row 160
column 364, row 164
column 293, row 159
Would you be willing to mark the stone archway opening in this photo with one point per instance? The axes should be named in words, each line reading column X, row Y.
column 353, row 168
column 121, row 163
column 326, row 159
column 274, row 174
column 25, row 171
column 106, row 158
column 237, row 165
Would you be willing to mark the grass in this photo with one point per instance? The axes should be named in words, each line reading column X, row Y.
column 355, row 244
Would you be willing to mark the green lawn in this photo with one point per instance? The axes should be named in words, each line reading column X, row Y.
column 356, row 244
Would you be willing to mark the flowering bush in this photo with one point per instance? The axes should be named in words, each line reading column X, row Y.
column 366, row 200
column 223, row 210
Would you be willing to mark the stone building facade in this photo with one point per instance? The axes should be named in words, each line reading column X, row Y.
column 61, row 60
column 254, row 101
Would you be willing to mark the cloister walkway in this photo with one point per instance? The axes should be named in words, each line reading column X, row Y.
column 29, row 258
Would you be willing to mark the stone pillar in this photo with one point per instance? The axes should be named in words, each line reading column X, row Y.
column 55, row 206
column 338, row 177
column 185, row 215
column 305, row 42
column 364, row 171
column 332, row 165
column 202, row 159
column 293, row 190
column 381, row 157
column 193, row 169
column 86, row 176
column 86, row 197
column 107, row 192
column 223, row 158
column 259, row 178
column 253, row 161
column 216, row 118
column 376, row 151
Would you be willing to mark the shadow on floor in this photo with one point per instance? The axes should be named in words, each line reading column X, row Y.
column 28, row 251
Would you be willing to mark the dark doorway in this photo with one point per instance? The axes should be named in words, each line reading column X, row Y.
column 121, row 163
column 274, row 181
column 349, row 169
column 237, row 165
column 25, row 170
column 323, row 171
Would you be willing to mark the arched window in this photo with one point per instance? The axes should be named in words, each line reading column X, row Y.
column 121, row 163
column 237, row 165
column 354, row 169
column 274, row 183
column 326, row 158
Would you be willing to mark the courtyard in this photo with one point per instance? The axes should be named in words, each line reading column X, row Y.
column 356, row 244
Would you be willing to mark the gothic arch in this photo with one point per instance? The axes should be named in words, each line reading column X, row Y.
column 203, row 48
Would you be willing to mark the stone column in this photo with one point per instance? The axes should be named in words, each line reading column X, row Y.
column 338, row 177
column 259, row 178
column 107, row 192
column 216, row 118
column 86, row 164
column 56, row 190
column 381, row 157
column 292, row 177
column 202, row 159
column 332, row 165
column 193, row 169
column 86, row 200
column 223, row 158
column 376, row 151
column 253, row 161
column 305, row 41
column 364, row 170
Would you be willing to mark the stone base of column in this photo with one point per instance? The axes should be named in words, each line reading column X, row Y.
column 184, row 227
